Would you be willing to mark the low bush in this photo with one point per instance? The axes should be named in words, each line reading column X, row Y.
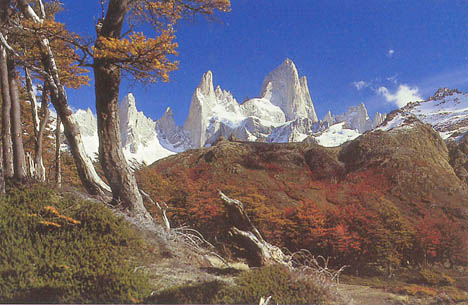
column 61, row 249
column 276, row 281
column 454, row 294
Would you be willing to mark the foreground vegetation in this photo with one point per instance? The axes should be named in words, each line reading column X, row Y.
column 57, row 248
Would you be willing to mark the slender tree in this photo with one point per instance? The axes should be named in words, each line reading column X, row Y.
column 19, row 161
column 58, row 153
column 7, row 145
column 2, row 176
column 39, row 125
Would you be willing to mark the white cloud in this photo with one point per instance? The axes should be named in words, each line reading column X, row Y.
column 390, row 52
column 360, row 84
column 403, row 95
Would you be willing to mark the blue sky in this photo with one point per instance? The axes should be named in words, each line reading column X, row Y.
column 380, row 52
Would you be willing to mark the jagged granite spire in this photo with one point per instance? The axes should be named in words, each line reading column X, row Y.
column 135, row 127
column 285, row 90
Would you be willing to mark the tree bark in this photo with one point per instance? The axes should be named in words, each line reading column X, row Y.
column 107, row 82
column 19, row 160
column 58, row 154
column 7, row 144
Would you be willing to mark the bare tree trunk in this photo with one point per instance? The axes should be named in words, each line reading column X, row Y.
column 39, row 126
column 244, row 233
column 89, row 178
column 38, row 161
column 19, row 161
column 107, row 82
column 7, row 145
column 2, row 177
column 58, row 154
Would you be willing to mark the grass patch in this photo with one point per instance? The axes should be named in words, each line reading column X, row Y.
column 60, row 249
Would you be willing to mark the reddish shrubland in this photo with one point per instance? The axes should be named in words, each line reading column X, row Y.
column 359, row 220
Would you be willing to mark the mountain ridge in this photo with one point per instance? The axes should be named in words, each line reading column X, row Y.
column 283, row 112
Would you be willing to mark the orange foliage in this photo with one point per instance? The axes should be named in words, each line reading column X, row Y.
column 140, row 55
column 61, row 41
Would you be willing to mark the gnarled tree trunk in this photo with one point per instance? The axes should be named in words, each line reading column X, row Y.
column 121, row 179
column 89, row 178
column 243, row 232
column 107, row 82
column 6, row 107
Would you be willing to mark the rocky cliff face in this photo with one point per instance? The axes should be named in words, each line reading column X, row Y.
column 356, row 118
column 140, row 138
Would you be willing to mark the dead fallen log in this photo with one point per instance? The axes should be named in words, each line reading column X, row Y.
column 246, row 235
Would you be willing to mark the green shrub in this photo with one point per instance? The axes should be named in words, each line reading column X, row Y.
column 62, row 249
column 276, row 281
column 430, row 277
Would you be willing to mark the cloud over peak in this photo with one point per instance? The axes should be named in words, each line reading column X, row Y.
column 402, row 96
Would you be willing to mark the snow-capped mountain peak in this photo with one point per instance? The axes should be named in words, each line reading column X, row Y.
column 283, row 112
column 446, row 111
column 284, row 89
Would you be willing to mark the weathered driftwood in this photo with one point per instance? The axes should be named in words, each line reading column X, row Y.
column 247, row 236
